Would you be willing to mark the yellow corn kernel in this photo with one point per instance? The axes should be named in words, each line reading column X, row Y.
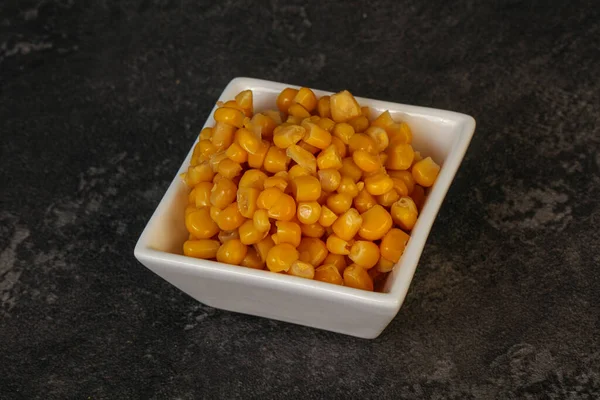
column 249, row 141
column 383, row 120
column 247, row 198
column 275, row 115
column 192, row 196
column 329, row 158
column 276, row 160
column 262, row 247
column 406, row 177
column 205, row 133
column 287, row 232
column 367, row 162
column 262, row 125
column 228, row 235
column 357, row 277
column 312, row 230
column 399, row 186
column 244, row 100
column 328, row 273
column 339, row 203
column 315, row 135
column 296, row 171
column 269, row 197
column 232, row 252
column 214, row 213
column 230, row 116
column 223, row 193
column 291, row 119
column 376, row 223
column 349, row 168
column 199, row 173
column 216, row 159
column 343, row 131
column 365, row 254
column 313, row 118
column 336, row 245
column 341, row 148
column 286, row 135
column 302, row 270
column 203, row 248
column 309, row 147
column 205, row 149
column 337, row 260
column 308, row 212
column 286, row 99
column 249, row 234
column 229, row 169
column 312, row 250
column 276, row 181
column 200, row 224
column 330, row 179
column 298, row 111
column 284, row 209
column 306, row 98
column 348, row 187
column 306, row 188
column 303, row 158
column 222, row 135
column 346, row 226
column 378, row 184
column 384, row 265
column 281, row 257
column 257, row 159
column 400, row 156
column 327, row 217
column 425, row 172
column 404, row 213
column 202, row 194
column 418, row 196
column 393, row 244
column 230, row 218
column 252, row 260
column 326, row 123
column 364, row 201
column 383, row 158
column 388, row 198
column 253, row 178
column 236, row 153
column 343, row 106
column 323, row 108
column 399, row 133
column 360, row 123
column 379, row 136
column 362, row 141
column 261, row 221
column 232, row 104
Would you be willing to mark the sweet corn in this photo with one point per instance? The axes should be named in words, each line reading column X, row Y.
column 286, row 135
column 203, row 248
column 298, row 111
column 360, row 123
column 276, row 181
column 364, row 201
column 312, row 230
column 312, row 250
column 230, row 218
column 303, row 158
column 199, row 173
column 349, row 168
column 384, row 265
column 228, row 235
column 308, row 212
column 329, row 158
column 287, row 232
column 281, row 257
column 328, row 273
column 343, row 106
column 236, row 153
column 339, row 203
column 286, row 99
column 379, row 136
column 425, row 172
column 216, row 159
column 326, row 123
column 341, row 148
column 336, row 245
column 249, row 141
column 202, row 194
column 253, row 178
column 232, row 252
column 404, row 213
column 365, row 254
column 247, row 198
column 205, row 148
column 418, row 196
column 244, row 100
column 296, row 171
column 343, row 131
column 222, row 135
column 383, row 158
column 205, row 133
column 400, row 156
column 232, row 104
column 223, row 193
column 362, row 141
column 306, row 98
column 346, row 226
column 229, row 116
column 302, row 270
column 406, row 177
column 378, row 184
column 330, row 179
column 261, row 220
column 262, row 247
column 284, row 209
column 214, row 213
column 262, row 125
column 393, row 244
column 399, row 133
column 200, row 224
column 388, row 198
column 315, row 135
column 327, row 217
column 307, row 188
column 323, row 108
column 249, row 234
column 309, row 147
column 337, row 260
column 268, row 197
column 257, row 159
column 252, row 260
column 376, row 223
column 347, row 186
column 357, row 277
column 229, row 169
column 276, row 160
column 367, row 162
column 383, row 120
column 400, row 187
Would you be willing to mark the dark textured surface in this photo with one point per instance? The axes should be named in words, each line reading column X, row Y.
column 99, row 102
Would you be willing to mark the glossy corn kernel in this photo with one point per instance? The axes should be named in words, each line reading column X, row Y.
column 205, row 149
column 252, row 260
column 312, row 230
column 306, row 98
column 360, row 123
column 231, row 104
column 262, row 125
column 326, row 123
column 388, row 198
column 384, row 265
column 276, row 160
column 308, row 212
column 340, row 146
column 222, row 135
column 309, row 147
column 357, row 277
column 400, row 187
column 348, row 186
column 327, row 217
column 349, row 168
column 205, row 133
column 232, row 252
column 425, row 172
column 230, row 116
column 276, row 181
column 418, row 196
column 406, row 177
column 228, row 235
column 298, row 111
column 286, row 135
column 257, row 159
column 337, row 260
column 245, row 100
column 216, row 159
column 367, row 162
column 261, row 220
column 249, row 234
column 362, row 141
column 287, row 232
column 229, row 169
column 302, row 270
column 203, row 248
column 281, row 257
column 315, row 135
column 286, row 99
column 263, row 246
column 214, row 213
column 223, row 193
column 284, row 209
column 312, row 250
column 400, row 157
column 346, row 226
column 253, row 178
column 376, row 223
column 328, row 273
column 337, row 245
column 364, row 201
column 236, row 153
column 379, row 136
column 365, row 254
column 268, row 197
column 343, row 106
column 378, row 184
column 323, row 108
column 200, row 224
column 329, row 158
column 247, row 198
column 339, row 203
column 230, row 218
column 249, row 141
column 343, row 131
column 202, row 194
column 303, row 158
column 330, row 179
column 199, row 173
column 393, row 243
column 404, row 213
column 190, row 208
column 399, row 133
column 383, row 120
column 291, row 119
column 296, row 171
column 307, row 188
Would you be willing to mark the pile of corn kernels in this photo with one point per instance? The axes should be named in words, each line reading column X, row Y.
column 314, row 189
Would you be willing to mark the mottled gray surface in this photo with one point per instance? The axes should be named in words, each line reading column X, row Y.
column 99, row 102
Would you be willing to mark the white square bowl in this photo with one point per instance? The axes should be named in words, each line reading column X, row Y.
column 443, row 135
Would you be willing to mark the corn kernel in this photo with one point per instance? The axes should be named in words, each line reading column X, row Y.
column 302, row 270
column 268, row 197
column 309, row 147
column 200, row 224
column 406, row 177
column 337, row 260
column 328, row 273
column 303, row 158
column 249, row 234
column 349, row 168
column 307, row 188
column 365, row 254
column 400, row 156
column 388, row 198
column 249, row 141
column 312, row 230
column 203, row 248
column 379, row 136
column 357, row 277
column 216, row 159
column 384, row 265
column 298, row 111
column 202, row 194
column 308, row 212
column 199, row 173
column 229, row 169
column 236, row 153
column 326, row 123
column 330, row 179
column 223, row 193
column 286, row 135
column 306, row 98
column 232, row 104
column 262, row 247
column 284, row 209
column 296, row 171
column 343, row 106
column 228, row 235
column 404, row 213
column 287, row 232
column 214, row 213
column 346, row 226
column 376, row 223
column 425, row 172
column 253, row 178
column 364, row 201
column 399, row 133
column 339, row 203
column 276, row 160
column 205, row 133
column 205, row 148
column 347, row 186
column 252, row 260
column 362, row 141
column 336, row 245
column 286, row 99
column 312, row 250
column 276, row 181
column 261, row 220
column 257, row 159
column 360, row 123
column 400, row 187
column 367, row 162
column 230, row 116
column 247, row 198
column 232, row 252
column 262, row 125
column 327, row 217
column 329, row 158
column 315, row 135
column 341, row 148
column 244, row 100
column 323, row 108
column 343, row 131
column 281, row 257
column 378, row 184
column 383, row 120
column 393, row 244
column 230, row 218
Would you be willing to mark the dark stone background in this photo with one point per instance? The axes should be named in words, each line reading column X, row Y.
column 100, row 101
